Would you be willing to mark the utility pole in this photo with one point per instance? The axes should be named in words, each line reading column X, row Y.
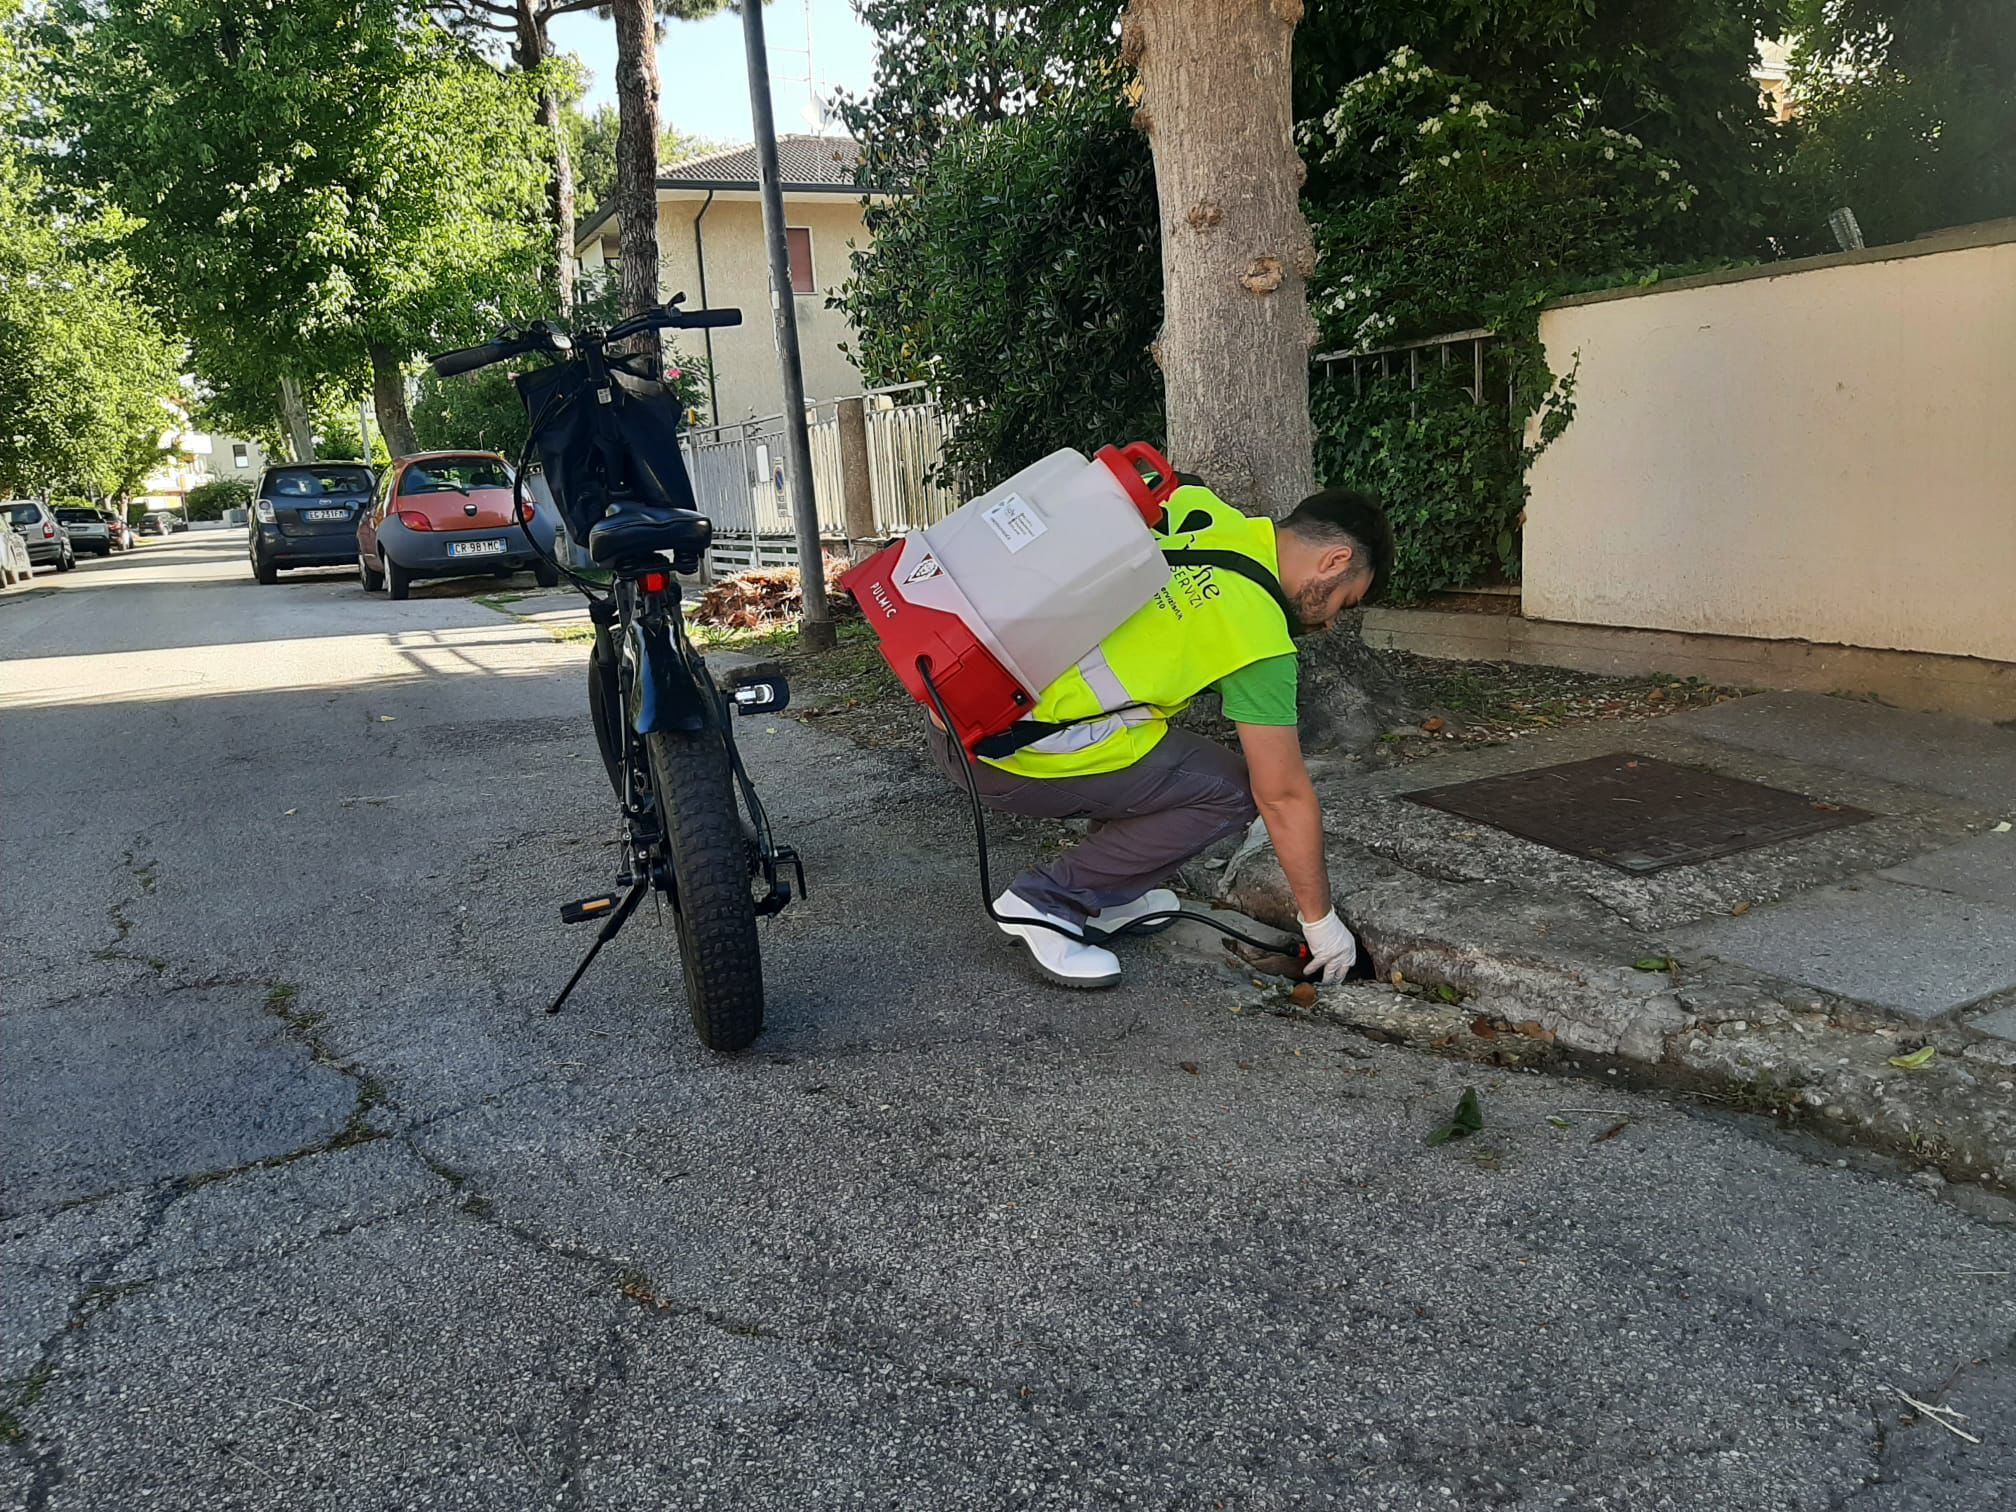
column 816, row 626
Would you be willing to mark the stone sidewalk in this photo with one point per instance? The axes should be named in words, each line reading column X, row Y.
column 1790, row 976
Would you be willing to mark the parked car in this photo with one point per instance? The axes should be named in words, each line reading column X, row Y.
column 305, row 515
column 176, row 524
column 48, row 541
column 88, row 530
column 449, row 514
column 122, row 533
column 151, row 524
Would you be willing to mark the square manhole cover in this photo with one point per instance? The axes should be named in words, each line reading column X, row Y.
column 1637, row 813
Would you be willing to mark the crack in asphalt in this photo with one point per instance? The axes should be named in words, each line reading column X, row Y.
column 44, row 1457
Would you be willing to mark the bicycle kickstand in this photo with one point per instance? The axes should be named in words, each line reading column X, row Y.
column 603, row 936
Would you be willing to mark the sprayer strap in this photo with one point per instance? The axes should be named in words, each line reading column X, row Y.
column 1245, row 566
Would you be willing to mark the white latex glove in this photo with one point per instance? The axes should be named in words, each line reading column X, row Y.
column 1332, row 950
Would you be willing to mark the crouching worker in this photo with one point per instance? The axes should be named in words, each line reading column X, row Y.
column 1098, row 744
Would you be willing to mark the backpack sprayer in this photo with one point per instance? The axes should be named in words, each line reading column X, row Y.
column 980, row 612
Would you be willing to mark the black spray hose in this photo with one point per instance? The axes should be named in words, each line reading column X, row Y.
column 1133, row 926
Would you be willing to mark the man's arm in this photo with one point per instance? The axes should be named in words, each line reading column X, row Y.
column 1287, row 801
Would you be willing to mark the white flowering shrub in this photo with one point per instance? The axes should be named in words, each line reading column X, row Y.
column 1442, row 211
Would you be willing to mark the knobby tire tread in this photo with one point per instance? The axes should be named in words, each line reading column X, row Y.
column 718, row 951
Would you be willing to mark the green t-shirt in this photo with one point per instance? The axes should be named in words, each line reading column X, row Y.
column 1261, row 693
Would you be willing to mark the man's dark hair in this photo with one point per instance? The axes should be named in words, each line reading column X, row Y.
column 1344, row 516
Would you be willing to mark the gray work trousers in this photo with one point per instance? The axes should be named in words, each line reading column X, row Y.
column 1149, row 818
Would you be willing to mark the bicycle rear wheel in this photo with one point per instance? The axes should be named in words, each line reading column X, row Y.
column 716, row 911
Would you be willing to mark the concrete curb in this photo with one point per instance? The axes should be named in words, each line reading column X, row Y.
column 1563, row 966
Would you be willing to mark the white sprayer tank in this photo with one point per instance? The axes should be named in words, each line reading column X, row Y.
column 1053, row 560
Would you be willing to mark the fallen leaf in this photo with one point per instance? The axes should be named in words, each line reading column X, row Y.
column 1397, row 980
column 1534, row 1029
column 387, row 718
column 1431, row 725
column 1303, row 994
column 1558, row 1122
column 290, row 813
column 2000, row 829
column 1448, row 994
column 1483, row 1028
column 1739, row 910
column 1915, row 1059
column 1244, row 1065
column 1613, row 1131
column 1467, row 1119
column 1190, row 1066
column 1827, row 808
column 1652, row 963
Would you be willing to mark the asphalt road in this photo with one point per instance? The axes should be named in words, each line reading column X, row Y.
column 309, row 1205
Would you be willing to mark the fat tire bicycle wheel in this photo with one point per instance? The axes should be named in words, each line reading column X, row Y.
column 715, row 908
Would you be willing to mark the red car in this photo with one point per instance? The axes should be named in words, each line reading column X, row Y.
column 449, row 514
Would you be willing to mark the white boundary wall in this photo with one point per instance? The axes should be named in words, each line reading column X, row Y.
column 1819, row 450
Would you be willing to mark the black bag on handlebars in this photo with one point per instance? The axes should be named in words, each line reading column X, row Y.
column 599, row 457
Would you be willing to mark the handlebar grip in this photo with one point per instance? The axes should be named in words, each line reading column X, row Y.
column 708, row 319
column 468, row 359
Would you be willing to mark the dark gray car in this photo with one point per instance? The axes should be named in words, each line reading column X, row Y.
column 87, row 530
column 305, row 515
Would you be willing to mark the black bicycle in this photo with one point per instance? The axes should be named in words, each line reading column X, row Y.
column 605, row 431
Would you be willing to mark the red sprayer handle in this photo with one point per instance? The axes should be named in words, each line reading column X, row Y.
column 1129, row 463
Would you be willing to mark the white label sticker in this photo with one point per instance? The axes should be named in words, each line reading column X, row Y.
column 928, row 568
column 1014, row 521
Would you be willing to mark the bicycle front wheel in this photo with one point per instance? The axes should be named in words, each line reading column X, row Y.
column 716, row 908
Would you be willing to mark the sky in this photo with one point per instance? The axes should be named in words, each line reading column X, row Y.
column 703, row 82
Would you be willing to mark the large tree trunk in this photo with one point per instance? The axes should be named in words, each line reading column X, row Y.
column 534, row 49
column 1236, row 253
column 388, row 398
column 294, row 413
column 637, row 157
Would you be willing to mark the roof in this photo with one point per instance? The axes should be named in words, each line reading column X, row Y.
column 805, row 165
column 802, row 162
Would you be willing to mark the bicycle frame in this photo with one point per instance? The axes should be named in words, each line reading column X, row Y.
column 651, row 672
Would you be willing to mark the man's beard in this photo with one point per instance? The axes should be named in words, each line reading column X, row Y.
column 1310, row 603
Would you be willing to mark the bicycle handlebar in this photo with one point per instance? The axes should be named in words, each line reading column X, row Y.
column 667, row 317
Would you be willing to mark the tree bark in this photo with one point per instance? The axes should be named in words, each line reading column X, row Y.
column 1236, row 252
column 534, row 48
column 388, row 399
column 637, row 158
column 294, row 412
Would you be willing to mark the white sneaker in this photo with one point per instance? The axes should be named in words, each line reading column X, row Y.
column 1110, row 921
column 1067, row 962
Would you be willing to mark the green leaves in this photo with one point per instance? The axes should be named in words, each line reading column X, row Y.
column 309, row 179
column 1468, row 1119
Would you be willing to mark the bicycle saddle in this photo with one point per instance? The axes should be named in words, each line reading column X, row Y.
column 640, row 529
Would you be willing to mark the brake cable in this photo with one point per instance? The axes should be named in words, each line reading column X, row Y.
column 1132, row 926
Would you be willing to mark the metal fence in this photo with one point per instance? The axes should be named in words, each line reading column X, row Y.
column 741, row 475
column 1464, row 352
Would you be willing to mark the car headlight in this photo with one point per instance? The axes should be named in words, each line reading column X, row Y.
column 263, row 508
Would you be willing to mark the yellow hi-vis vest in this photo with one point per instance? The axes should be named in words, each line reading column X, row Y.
column 1116, row 703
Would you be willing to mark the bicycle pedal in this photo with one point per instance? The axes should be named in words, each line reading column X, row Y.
column 582, row 911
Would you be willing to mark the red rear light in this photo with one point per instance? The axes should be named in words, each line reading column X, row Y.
column 527, row 510
column 412, row 519
column 48, row 531
column 655, row 582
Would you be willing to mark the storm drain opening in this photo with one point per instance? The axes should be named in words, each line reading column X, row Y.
column 1638, row 813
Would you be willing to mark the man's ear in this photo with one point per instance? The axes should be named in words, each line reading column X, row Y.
column 1337, row 561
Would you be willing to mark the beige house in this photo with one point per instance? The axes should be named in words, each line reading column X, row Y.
column 710, row 247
